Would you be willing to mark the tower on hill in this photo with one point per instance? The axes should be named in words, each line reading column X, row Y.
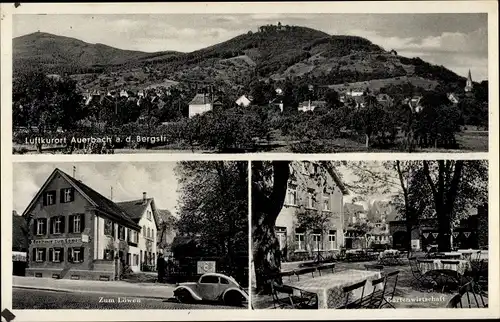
column 468, row 84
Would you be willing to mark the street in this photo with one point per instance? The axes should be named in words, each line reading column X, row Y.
column 40, row 299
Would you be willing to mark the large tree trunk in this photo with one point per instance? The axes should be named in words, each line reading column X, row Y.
column 444, row 192
column 265, row 210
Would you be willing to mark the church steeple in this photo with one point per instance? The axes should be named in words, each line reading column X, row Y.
column 468, row 83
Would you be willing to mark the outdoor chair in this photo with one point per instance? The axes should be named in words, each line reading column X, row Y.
column 304, row 271
column 391, row 283
column 468, row 290
column 325, row 267
column 374, row 299
column 289, row 300
column 426, row 281
column 349, row 304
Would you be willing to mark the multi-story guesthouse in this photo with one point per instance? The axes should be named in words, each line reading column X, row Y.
column 77, row 233
column 315, row 191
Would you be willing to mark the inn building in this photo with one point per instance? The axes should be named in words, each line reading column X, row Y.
column 314, row 188
column 77, row 233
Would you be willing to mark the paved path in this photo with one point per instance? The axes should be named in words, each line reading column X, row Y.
column 38, row 299
column 145, row 290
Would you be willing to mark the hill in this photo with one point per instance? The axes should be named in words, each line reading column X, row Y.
column 274, row 52
column 58, row 54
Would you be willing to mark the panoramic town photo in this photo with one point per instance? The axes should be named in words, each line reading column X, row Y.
column 236, row 83
column 124, row 235
column 369, row 235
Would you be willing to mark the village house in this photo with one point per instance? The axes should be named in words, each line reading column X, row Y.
column 384, row 99
column 310, row 105
column 354, row 215
column 470, row 233
column 307, row 193
column 353, row 92
column 244, row 101
column 452, row 98
column 277, row 102
column 77, row 233
column 414, row 103
column 202, row 103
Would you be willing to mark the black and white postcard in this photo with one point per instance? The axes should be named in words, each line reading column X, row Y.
column 264, row 160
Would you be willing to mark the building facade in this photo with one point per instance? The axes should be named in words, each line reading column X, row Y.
column 77, row 233
column 200, row 104
column 314, row 191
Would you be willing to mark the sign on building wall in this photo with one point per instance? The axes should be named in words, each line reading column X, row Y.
column 205, row 267
column 53, row 241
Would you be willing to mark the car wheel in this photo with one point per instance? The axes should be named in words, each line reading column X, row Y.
column 183, row 296
column 233, row 299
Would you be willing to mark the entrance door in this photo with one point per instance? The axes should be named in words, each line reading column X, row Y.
column 348, row 243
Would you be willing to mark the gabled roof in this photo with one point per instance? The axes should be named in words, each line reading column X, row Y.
column 136, row 208
column 200, row 99
column 100, row 202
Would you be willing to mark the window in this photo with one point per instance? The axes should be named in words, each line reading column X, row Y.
column 136, row 260
column 210, row 279
column 49, row 198
column 281, row 234
column 41, row 227
column 332, row 239
column 76, row 255
column 316, row 240
column 224, row 281
column 136, row 237
column 326, row 202
column 144, row 232
column 292, row 195
column 56, row 255
column 129, row 256
column 77, row 224
column 108, row 227
column 57, row 225
column 121, row 233
column 149, row 215
column 299, row 239
column 152, row 234
column 310, row 199
column 39, row 254
column 148, row 233
column 67, row 195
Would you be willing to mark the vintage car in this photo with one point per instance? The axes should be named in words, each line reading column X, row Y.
column 212, row 287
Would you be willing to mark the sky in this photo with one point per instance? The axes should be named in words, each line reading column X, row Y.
column 128, row 179
column 457, row 41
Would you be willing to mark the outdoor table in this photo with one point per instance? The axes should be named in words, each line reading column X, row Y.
column 437, row 264
column 453, row 255
column 329, row 288
column 389, row 252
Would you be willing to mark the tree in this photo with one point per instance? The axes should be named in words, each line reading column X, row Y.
column 332, row 99
column 444, row 189
column 269, row 185
column 214, row 208
column 46, row 103
column 368, row 119
column 166, row 223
